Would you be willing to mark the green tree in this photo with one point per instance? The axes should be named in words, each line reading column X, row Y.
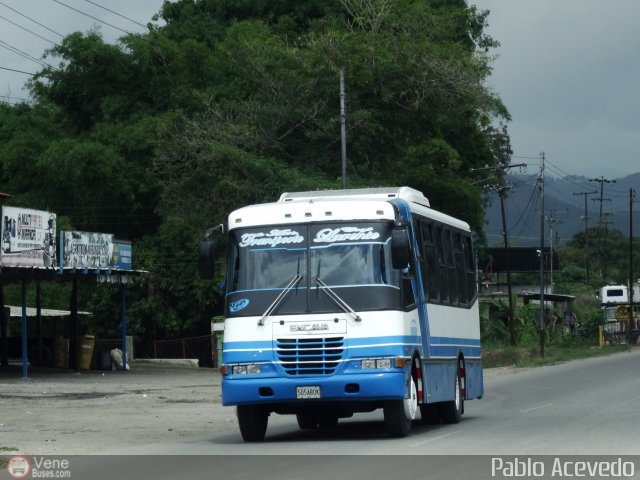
column 231, row 102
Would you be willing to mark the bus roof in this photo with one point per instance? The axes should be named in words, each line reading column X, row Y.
column 337, row 205
column 384, row 193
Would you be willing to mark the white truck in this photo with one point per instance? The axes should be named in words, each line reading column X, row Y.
column 614, row 304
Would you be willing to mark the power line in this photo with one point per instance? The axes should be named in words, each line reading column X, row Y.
column 116, row 13
column 92, row 17
column 27, row 30
column 527, row 212
column 18, row 71
column 23, row 54
column 31, row 19
column 17, row 99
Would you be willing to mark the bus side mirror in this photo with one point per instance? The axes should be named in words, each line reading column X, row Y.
column 207, row 253
column 206, row 259
column 400, row 246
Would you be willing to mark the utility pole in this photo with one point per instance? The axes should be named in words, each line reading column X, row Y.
column 502, row 189
column 601, row 247
column 501, row 192
column 551, row 220
column 586, row 233
column 605, row 256
column 632, row 194
column 601, row 181
column 542, row 255
column 343, row 129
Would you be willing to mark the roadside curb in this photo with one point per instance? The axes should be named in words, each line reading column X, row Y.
column 167, row 362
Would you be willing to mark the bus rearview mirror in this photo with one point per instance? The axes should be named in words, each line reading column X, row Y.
column 206, row 259
column 400, row 247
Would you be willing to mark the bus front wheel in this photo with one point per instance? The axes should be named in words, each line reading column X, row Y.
column 306, row 421
column 252, row 420
column 399, row 414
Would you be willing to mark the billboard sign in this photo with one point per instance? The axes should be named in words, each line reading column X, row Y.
column 27, row 238
column 121, row 255
column 87, row 250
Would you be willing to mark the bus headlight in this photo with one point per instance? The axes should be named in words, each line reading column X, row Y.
column 250, row 369
column 375, row 363
column 368, row 364
column 253, row 369
column 383, row 363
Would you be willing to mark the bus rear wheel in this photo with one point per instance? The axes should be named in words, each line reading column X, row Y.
column 252, row 420
column 452, row 410
column 399, row 414
column 430, row 413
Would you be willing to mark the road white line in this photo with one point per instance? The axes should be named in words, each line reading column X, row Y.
column 600, row 391
column 536, row 408
column 626, row 402
column 431, row 440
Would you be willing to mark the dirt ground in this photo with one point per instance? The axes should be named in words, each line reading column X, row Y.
column 63, row 412
column 60, row 412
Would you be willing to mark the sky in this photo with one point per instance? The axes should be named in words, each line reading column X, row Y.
column 567, row 70
column 47, row 20
column 569, row 73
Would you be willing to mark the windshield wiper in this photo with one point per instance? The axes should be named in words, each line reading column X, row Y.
column 339, row 301
column 285, row 291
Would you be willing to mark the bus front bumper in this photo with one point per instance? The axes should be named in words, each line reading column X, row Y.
column 355, row 387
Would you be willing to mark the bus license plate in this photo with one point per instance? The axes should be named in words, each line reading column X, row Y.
column 308, row 392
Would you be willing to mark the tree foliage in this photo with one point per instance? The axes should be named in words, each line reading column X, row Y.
column 230, row 102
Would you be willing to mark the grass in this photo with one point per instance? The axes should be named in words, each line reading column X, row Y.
column 530, row 357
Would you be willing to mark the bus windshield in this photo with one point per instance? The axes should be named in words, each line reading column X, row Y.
column 339, row 255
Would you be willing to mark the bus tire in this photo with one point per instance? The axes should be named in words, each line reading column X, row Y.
column 452, row 410
column 430, row 414
column 399, row 414
column 328, row 421
column 252, row 420
column 306, row 421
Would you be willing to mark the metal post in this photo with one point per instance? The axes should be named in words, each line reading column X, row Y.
column 586, row 240
column 542, row 256
column 512, row 335
column 586, row 233
column 123, row 320
column 25, row 330
column 73, row 331
column 39, row 323
column 631, row 326
column 4, row 361
column 601, row 248
column 343, row 129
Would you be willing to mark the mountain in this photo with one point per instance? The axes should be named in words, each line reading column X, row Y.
column 564, row 204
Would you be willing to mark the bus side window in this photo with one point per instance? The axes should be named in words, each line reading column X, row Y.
column 430, row 264
column 408, row 299
column 470, row 268
column 443, row 279
column 461, row 272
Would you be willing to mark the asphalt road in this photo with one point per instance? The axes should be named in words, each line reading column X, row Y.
column 586, row 407
column 169, row 424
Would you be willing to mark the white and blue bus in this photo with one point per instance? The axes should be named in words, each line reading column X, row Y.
column 347, row 301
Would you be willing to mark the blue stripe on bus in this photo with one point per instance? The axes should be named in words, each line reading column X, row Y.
column 474, row 342
column 263, row 351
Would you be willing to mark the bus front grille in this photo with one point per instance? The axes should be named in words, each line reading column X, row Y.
column 310, row 356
